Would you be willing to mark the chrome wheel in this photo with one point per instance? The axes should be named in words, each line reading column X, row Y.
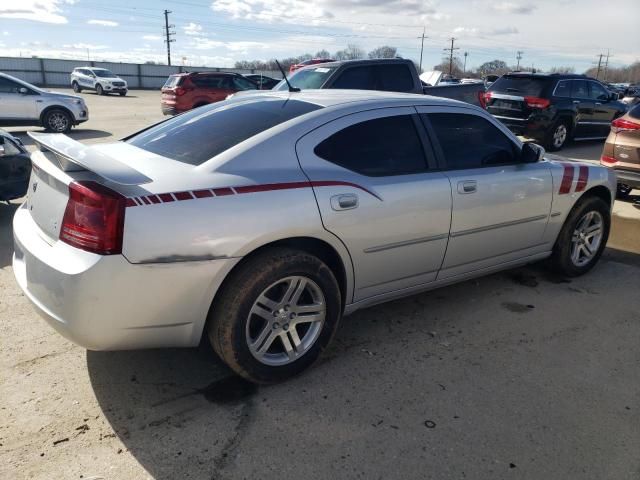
column 559, row 135
column 58, row 122
column 286, row 320
column 586, row 238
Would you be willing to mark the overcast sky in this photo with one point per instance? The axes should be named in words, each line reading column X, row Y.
column 219, row 32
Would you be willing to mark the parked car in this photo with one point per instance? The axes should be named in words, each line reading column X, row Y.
column 24, row 104
column 393, row 75
column 306, row 63
column 99, row 79
column 489, row 79
column 257, row 223
column 553, row 108
column 622, row 151
column 15, row 167
column 184, row 91
column 263, row 82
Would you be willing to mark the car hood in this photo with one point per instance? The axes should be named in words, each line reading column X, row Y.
column 63, row 96
column 111, row 79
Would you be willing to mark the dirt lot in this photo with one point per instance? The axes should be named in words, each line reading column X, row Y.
column 517, row 375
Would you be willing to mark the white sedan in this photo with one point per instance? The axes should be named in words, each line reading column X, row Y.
column 258, row 222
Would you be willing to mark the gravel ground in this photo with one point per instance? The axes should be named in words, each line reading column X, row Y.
column 519, row 375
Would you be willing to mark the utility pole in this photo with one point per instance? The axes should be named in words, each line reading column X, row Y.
column 599, row 65
column 421, row 49
column 168, row 34
column 464, row 69
column 606, row 64
column 451, row 50
column 518, row 57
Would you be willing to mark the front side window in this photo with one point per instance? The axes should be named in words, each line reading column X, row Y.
column 200, row 134
column 381, row 147
column 360, row 78
column 7, row 86
column 598, row 92
column 240, row 83
column 470, row 141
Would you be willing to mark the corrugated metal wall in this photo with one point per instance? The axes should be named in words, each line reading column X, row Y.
column 49, row 72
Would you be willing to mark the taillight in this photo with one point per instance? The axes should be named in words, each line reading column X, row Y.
column 94, row 218
column 537, row 102
column 483, row 98
column 608, row 160
column 622, row 125
column 180, row 91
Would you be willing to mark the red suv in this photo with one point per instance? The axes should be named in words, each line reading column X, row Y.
column 313, row 61
column 184, row 91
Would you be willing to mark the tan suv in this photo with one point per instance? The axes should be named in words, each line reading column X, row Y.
column 622, row 151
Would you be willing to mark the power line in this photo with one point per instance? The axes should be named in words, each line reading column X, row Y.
column 451, row 50
column 168, row 34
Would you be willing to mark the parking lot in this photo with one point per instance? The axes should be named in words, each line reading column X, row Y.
column 522, row 374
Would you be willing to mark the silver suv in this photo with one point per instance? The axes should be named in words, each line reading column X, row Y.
column 101, row 80
column 24, row 104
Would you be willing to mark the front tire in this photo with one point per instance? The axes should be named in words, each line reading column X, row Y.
column 275, row 315
column 57, row 121
column 76, row 87
column 99, row 89
column 558, row 136
column 122, row 94
column 583, row 238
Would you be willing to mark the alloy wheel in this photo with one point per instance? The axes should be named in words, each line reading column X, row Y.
column 58, row 122
column 559, row 135
column 586, row 238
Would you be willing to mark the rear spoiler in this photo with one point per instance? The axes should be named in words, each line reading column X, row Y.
column 68, row 150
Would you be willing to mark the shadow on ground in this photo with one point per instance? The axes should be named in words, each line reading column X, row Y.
column 6, row 232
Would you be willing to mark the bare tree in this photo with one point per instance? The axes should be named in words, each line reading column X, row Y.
column 384, row 51
column 352, row 52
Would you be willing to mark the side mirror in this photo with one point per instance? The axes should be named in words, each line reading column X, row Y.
column 531, row 153
column 23, row 91
column 2, row 152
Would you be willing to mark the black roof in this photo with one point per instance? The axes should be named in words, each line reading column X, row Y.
column 371, row 61
column 562, row 76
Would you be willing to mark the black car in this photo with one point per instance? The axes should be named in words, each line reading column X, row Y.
column 553, row 108
column 264, row 82
column 15, row 167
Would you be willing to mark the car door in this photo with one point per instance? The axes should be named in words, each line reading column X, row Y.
column 584, row 109
column 14, row 104
column 378, row 195
column 604, row 110
column 500, row 206
column 84, row 79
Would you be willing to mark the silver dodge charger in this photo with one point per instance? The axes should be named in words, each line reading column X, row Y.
column 258, row 222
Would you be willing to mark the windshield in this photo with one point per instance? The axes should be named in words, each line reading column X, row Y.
column 104, row 74
column 308, row 78
column 200, row 134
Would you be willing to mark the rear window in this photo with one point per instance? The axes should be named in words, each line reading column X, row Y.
column 521, row 86
column 198, row 135
column 635, row 112
column 172, row 81
column 308, row 78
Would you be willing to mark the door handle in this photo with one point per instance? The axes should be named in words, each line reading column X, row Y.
column 598, row 103
column 467, row 186
column 577, row 102
column 346, row 201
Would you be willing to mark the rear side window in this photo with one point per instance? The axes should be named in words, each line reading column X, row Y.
column 563, row 89
column 470, row 141
column 240, row 83
column 579, row 89
column 172, row 81
column 521, row 86
column 362, row 78
column 394, row 78
column 198, row 135
column 376, row 148
column 7, row 86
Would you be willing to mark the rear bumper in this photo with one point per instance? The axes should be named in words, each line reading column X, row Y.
column 105, row 302
column 535, row 128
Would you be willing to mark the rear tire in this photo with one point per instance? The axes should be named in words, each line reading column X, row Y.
column 583, row 237
column 298, row 305
column 76, row 87
column 57, row 121
column 557, row 137
column 99, row 90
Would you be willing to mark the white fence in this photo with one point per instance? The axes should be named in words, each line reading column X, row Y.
column 49, row 72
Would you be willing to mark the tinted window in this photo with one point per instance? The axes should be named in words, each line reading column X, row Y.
column 394, row 78
column 598, row 92
column 519, row 85
column 198, row 135
column 361, row 78
column 104, row 74
column 563, row 89
column 243, row 84
column 7, row 86
column 172, row 81
column 307, row 79
column 209, row 81
column 579, row 89
column 381, row 147
column 469, row 141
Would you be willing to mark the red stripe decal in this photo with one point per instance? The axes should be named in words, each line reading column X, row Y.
column 183, row 196
column 270, row 186
column 333, row 183
column 166, row 197
column 567, row 179
column 221, row 192
column 131, row 202
column 583, row 177
column 202, row 193
column 155, row 199
column 146, row 200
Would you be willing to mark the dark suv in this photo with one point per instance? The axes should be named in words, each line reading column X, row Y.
column 553, row 108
